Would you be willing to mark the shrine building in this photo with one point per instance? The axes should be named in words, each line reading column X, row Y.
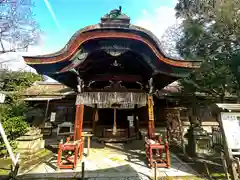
column 113, row 70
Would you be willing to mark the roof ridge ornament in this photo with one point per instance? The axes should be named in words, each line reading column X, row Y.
column 115, row 13
column 115, row 19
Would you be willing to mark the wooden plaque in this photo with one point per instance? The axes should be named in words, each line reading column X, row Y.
column 150, row 108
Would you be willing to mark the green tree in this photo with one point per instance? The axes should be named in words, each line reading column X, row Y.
column 18, row 80
column 211, row 32
column 14, row 112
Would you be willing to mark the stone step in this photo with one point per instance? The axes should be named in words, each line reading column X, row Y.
column 28, row 163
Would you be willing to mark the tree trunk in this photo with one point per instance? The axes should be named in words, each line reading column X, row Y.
column 238, row 96
column 222, row 98
column 194, row 116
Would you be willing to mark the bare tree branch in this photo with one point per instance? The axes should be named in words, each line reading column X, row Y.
column 2, row 45
column 18, row 28
column 169, row 39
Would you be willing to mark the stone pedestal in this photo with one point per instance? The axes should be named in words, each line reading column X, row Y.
column 30, row 144
column 198, row 141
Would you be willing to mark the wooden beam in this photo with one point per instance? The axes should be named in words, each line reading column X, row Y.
column 114, row 90
column 125, row 78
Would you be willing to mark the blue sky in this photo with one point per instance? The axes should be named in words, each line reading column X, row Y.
column 60, row 19
column 71, row 15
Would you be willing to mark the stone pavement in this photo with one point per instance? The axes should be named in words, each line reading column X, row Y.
column 112, row 161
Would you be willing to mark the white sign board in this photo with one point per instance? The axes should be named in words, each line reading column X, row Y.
column 231, row 127
column 2, row 98
column 53, row 117
column 130, row 119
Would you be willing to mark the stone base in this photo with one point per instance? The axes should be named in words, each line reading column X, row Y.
column 113, row 161
column 29, row 145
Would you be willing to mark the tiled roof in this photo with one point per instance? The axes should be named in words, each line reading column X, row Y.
column 46, row 88
column 50, row 88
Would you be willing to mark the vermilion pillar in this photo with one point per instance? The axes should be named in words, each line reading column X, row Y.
column 151, row 126
column 78, row 122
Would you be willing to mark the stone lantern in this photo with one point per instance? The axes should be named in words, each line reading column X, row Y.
column 198, row 140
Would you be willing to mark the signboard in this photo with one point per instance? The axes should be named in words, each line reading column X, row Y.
column 2, row 98
column 231, row 127
column 150, row 108
column 130, row 120
column 53, row 117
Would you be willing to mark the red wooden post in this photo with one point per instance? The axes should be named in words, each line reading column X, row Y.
column 78, row 122
column 73, row 146
column 81, row 120
column 78, row 127
column 76, row 149
column 81, row 148
column 59, row 160
column 151, row 155
column 167, row 155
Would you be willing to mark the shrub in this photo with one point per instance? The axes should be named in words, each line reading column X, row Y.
column 15, row 127
column 14, row 123
column 14, row 112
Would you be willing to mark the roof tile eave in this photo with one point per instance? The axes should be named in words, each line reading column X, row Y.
column 87, row 37
column 97, row 26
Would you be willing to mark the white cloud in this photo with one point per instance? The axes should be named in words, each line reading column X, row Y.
column 158, row 20
column 41, row 48
column 52, row 13
column 14, row 60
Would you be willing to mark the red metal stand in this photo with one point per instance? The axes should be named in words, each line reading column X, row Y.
column 67, row 160
column 157, row 153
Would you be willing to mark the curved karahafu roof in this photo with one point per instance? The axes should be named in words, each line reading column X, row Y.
column 116, row 37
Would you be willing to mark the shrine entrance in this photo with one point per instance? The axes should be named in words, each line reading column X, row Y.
column 115, row 114
column 115, row 125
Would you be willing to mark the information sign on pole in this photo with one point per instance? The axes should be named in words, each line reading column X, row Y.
column 53, row 117
column 231, row 127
